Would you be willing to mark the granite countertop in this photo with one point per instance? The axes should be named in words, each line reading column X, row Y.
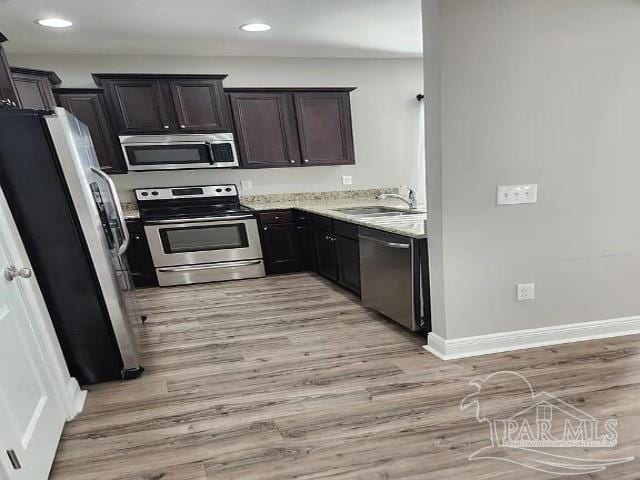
column 326, row 204
column 409, row 225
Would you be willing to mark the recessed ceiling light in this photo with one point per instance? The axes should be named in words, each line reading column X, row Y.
column 54, row 22
column 255, row 27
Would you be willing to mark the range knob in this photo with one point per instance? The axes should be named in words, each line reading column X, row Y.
column 145, row 194
column 154, row 193
column 219, row 190
column 228, row 189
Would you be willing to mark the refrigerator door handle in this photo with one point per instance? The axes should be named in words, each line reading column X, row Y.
column 123, row 223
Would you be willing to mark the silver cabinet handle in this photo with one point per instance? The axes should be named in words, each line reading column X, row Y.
column 265, row 228
column 12, row 272
column 166, row 126
column 182, row 126
column 387, row 244
column 116, row 201
column 211, row 266
column 306, row 160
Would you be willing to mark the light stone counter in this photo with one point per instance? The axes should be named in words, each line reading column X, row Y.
column 408, row 225
column 326, row 204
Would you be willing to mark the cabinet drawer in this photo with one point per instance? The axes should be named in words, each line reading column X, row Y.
column 322, row 223
column 270, row 218
column 345, row 229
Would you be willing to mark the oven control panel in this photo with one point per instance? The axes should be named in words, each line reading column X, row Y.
column 173, row 193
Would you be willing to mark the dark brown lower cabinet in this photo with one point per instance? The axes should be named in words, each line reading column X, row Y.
column 305, row 239
column 139, row 256
column 348, row 251
column 281, row 248
column 326, row 253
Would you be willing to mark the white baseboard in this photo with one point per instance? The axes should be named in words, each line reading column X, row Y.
column 76, row 398
column 535, row 337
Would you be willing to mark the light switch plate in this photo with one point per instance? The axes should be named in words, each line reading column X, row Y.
column 514, row 194
column 347, row 180
column 246, row 184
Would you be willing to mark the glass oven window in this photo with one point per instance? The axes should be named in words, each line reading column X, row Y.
column 167, row 154
column 203, row 238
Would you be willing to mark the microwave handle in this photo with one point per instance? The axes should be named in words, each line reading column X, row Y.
column 212, row 158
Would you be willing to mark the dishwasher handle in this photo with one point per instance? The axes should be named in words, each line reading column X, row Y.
column 386, row 244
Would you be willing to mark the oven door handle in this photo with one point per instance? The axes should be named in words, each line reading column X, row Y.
column 123, row 223
column 210, row 266
column 199, row 219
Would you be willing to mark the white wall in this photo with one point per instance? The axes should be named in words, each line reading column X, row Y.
column 385, row 113
column 535, row 91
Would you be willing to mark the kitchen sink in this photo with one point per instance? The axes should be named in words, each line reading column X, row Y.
column 375, row 211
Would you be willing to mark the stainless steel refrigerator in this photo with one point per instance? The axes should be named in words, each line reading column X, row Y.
column 70, row 219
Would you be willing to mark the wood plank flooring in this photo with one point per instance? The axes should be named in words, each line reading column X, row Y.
column 288, row 377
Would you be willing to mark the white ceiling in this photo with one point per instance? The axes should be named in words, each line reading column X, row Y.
column 301, row 28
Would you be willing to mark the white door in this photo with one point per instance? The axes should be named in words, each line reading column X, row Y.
column 31, row 414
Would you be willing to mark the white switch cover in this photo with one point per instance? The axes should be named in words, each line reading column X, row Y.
column 246, row 184
column 346, row 180
column 513, row 194
column 526, row 291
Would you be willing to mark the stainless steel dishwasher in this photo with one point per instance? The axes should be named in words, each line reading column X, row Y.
column 387, row 275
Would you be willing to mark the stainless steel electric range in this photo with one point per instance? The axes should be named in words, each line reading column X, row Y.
column 200, row 234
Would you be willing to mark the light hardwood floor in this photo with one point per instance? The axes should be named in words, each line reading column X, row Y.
column 289, row 378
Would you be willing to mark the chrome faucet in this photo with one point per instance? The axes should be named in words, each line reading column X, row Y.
column 412, row 201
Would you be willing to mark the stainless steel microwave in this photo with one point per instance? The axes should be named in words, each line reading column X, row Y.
column 179, row 152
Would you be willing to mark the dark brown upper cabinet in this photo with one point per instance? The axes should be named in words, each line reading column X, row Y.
column 34, row 87
column 8, row 95
column 144, row 103
column 88, row 105
column 324, row 127
column 199, row 104
column 265, row 128
column 286, row 127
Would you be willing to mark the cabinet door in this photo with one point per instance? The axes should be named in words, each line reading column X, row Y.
column 139, row 257
column 305, row 239
column 349, row 263
column 324, row 128
column 326, row 255
column 265, row 128
column 200, row 105
column 138, row 106
column 281, row 248
column 90, row 108
column 34, row 91
column 8, row 96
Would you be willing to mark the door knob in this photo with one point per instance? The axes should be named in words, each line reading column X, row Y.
column 12, row 272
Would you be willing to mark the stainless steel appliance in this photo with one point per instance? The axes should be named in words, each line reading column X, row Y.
column 200, row 234
column 179, row 152
column 389, row 276
column 68, row 213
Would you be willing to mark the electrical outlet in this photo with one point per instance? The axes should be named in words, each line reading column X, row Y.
column 346, row 180
column 514, row 194
column 526, row 291
column 246, row 184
